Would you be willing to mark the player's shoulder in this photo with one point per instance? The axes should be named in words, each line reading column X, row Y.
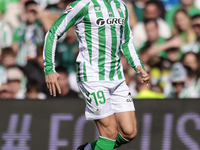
column 122, row 2
column 78, row 3
column 83, row 1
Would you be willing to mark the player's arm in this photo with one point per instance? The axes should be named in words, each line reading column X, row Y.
column 129, row 51
column 74, row 14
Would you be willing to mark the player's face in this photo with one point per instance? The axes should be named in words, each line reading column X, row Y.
column 182, row 21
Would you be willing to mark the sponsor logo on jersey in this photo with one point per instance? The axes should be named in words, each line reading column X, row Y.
column 69, row 8
column 110, row 21
column 100, row 22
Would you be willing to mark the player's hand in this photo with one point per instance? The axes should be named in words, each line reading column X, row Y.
column 143, row 74
column 52, row 83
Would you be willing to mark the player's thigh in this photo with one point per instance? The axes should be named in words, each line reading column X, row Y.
column 126, row 124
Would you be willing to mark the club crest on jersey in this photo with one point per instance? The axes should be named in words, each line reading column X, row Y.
column 69, row 8
column 110, row 21
column 119, row 9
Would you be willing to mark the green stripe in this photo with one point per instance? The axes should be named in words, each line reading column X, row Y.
column 84, row 72
column 88, row 36
column 102, row 44
column 78, row 71
column 51, row 35
column 114, row 43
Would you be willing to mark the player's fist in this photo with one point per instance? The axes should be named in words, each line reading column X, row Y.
column 143, row 74
column 52, row 83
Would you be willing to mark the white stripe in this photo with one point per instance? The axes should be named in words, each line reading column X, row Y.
column 95, row 41
column 108, row 43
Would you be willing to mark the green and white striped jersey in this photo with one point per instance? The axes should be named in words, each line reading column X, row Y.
column 103, row 31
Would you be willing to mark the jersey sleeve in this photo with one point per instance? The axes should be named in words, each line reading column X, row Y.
column 73, row 14
column 127, row 47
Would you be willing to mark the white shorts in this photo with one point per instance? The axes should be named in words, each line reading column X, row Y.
column 104, row 98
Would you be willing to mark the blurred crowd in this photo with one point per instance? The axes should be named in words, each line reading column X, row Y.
column 166, row 37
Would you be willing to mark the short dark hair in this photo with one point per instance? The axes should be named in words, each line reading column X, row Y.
column 61, row 69
column 7, row 51
column 146, row 21
column 195, row 16
column 30, row 2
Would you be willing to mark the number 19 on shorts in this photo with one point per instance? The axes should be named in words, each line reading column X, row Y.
column 98, row 97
